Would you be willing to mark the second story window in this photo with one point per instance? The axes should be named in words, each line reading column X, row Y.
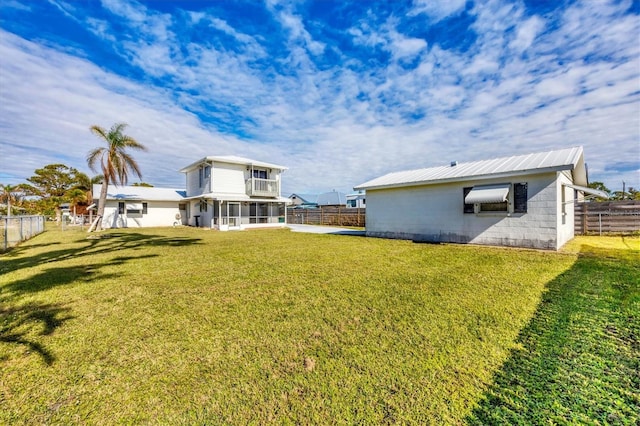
column 204, row 173
column 260, row 174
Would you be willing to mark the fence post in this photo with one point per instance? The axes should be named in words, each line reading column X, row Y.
column 585, row 227
column 600, row 223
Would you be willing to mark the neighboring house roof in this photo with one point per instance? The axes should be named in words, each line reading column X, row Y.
column 356, row 195
column 305, row 198
column 332, row 198
column 231, row 159
column 565, row 159
column 140, row 193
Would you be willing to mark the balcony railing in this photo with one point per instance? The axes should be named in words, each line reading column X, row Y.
column 263, row 187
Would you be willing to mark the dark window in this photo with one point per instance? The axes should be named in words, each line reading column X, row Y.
column 260, row 174
column 144, row 208
column 468, row 208
column 519, row 197
column 494, row 207
column 120, row 208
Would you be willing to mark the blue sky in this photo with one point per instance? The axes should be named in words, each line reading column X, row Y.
column 340, row 92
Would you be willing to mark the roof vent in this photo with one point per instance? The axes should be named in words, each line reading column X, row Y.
column 454, row 163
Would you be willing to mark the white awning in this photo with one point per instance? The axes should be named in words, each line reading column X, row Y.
column 586, row 190
column 134, row 206
column 488, row 194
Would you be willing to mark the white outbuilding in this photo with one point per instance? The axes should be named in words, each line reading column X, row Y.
column 519, row 201
column 141, row 207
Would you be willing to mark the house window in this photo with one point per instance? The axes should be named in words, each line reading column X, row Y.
column 493, row 207
column 203, row 206
column 204, row 174
column 144, row 208
column 519, row 197
column 135, row 208
column 468, row 207
column 506, row 198
column 259, row 174
column 120, row 208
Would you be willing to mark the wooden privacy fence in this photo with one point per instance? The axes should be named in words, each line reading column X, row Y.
column 333, row 216
column 609, row 217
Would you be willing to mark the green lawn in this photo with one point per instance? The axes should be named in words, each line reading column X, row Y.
column 188, row 326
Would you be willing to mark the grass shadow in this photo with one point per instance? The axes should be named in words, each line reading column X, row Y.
column 21, row 324
column 578, row 359
column 90, row 246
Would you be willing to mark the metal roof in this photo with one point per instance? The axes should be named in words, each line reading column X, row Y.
column 564, row 159
column 305, row 198
column 231, row 159
column 140, row 193
column 332, row 198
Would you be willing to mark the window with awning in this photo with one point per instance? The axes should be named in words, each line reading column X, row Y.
column 504, row 197
column 488, row 194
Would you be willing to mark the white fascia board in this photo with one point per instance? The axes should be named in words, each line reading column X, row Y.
column 193, row 165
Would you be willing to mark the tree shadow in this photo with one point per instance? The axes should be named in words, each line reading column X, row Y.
column 90, row 246
column 20, row 322
column 578, row 358
column 24, row 323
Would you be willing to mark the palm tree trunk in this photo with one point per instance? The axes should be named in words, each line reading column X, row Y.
column 102, row 202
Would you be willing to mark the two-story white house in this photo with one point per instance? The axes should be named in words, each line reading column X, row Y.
column 229, row 192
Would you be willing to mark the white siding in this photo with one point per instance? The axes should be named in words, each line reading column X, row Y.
column 193, row 183
column 565, row 212
column 435, row 213
column 159, row 213
column 229, row 178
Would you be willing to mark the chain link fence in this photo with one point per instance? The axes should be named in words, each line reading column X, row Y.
column 16, row 229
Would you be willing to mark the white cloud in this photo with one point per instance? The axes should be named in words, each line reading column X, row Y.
column 67, row 95
column 526, row 33
column 14, row 4
column 573, row 81
column 438, row 10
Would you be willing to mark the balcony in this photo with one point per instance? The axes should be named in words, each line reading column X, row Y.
column 263, row 187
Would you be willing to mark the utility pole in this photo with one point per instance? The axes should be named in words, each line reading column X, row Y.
column 623, row 189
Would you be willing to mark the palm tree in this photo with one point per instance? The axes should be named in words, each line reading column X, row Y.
column 115, row 163
column 8, row 194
